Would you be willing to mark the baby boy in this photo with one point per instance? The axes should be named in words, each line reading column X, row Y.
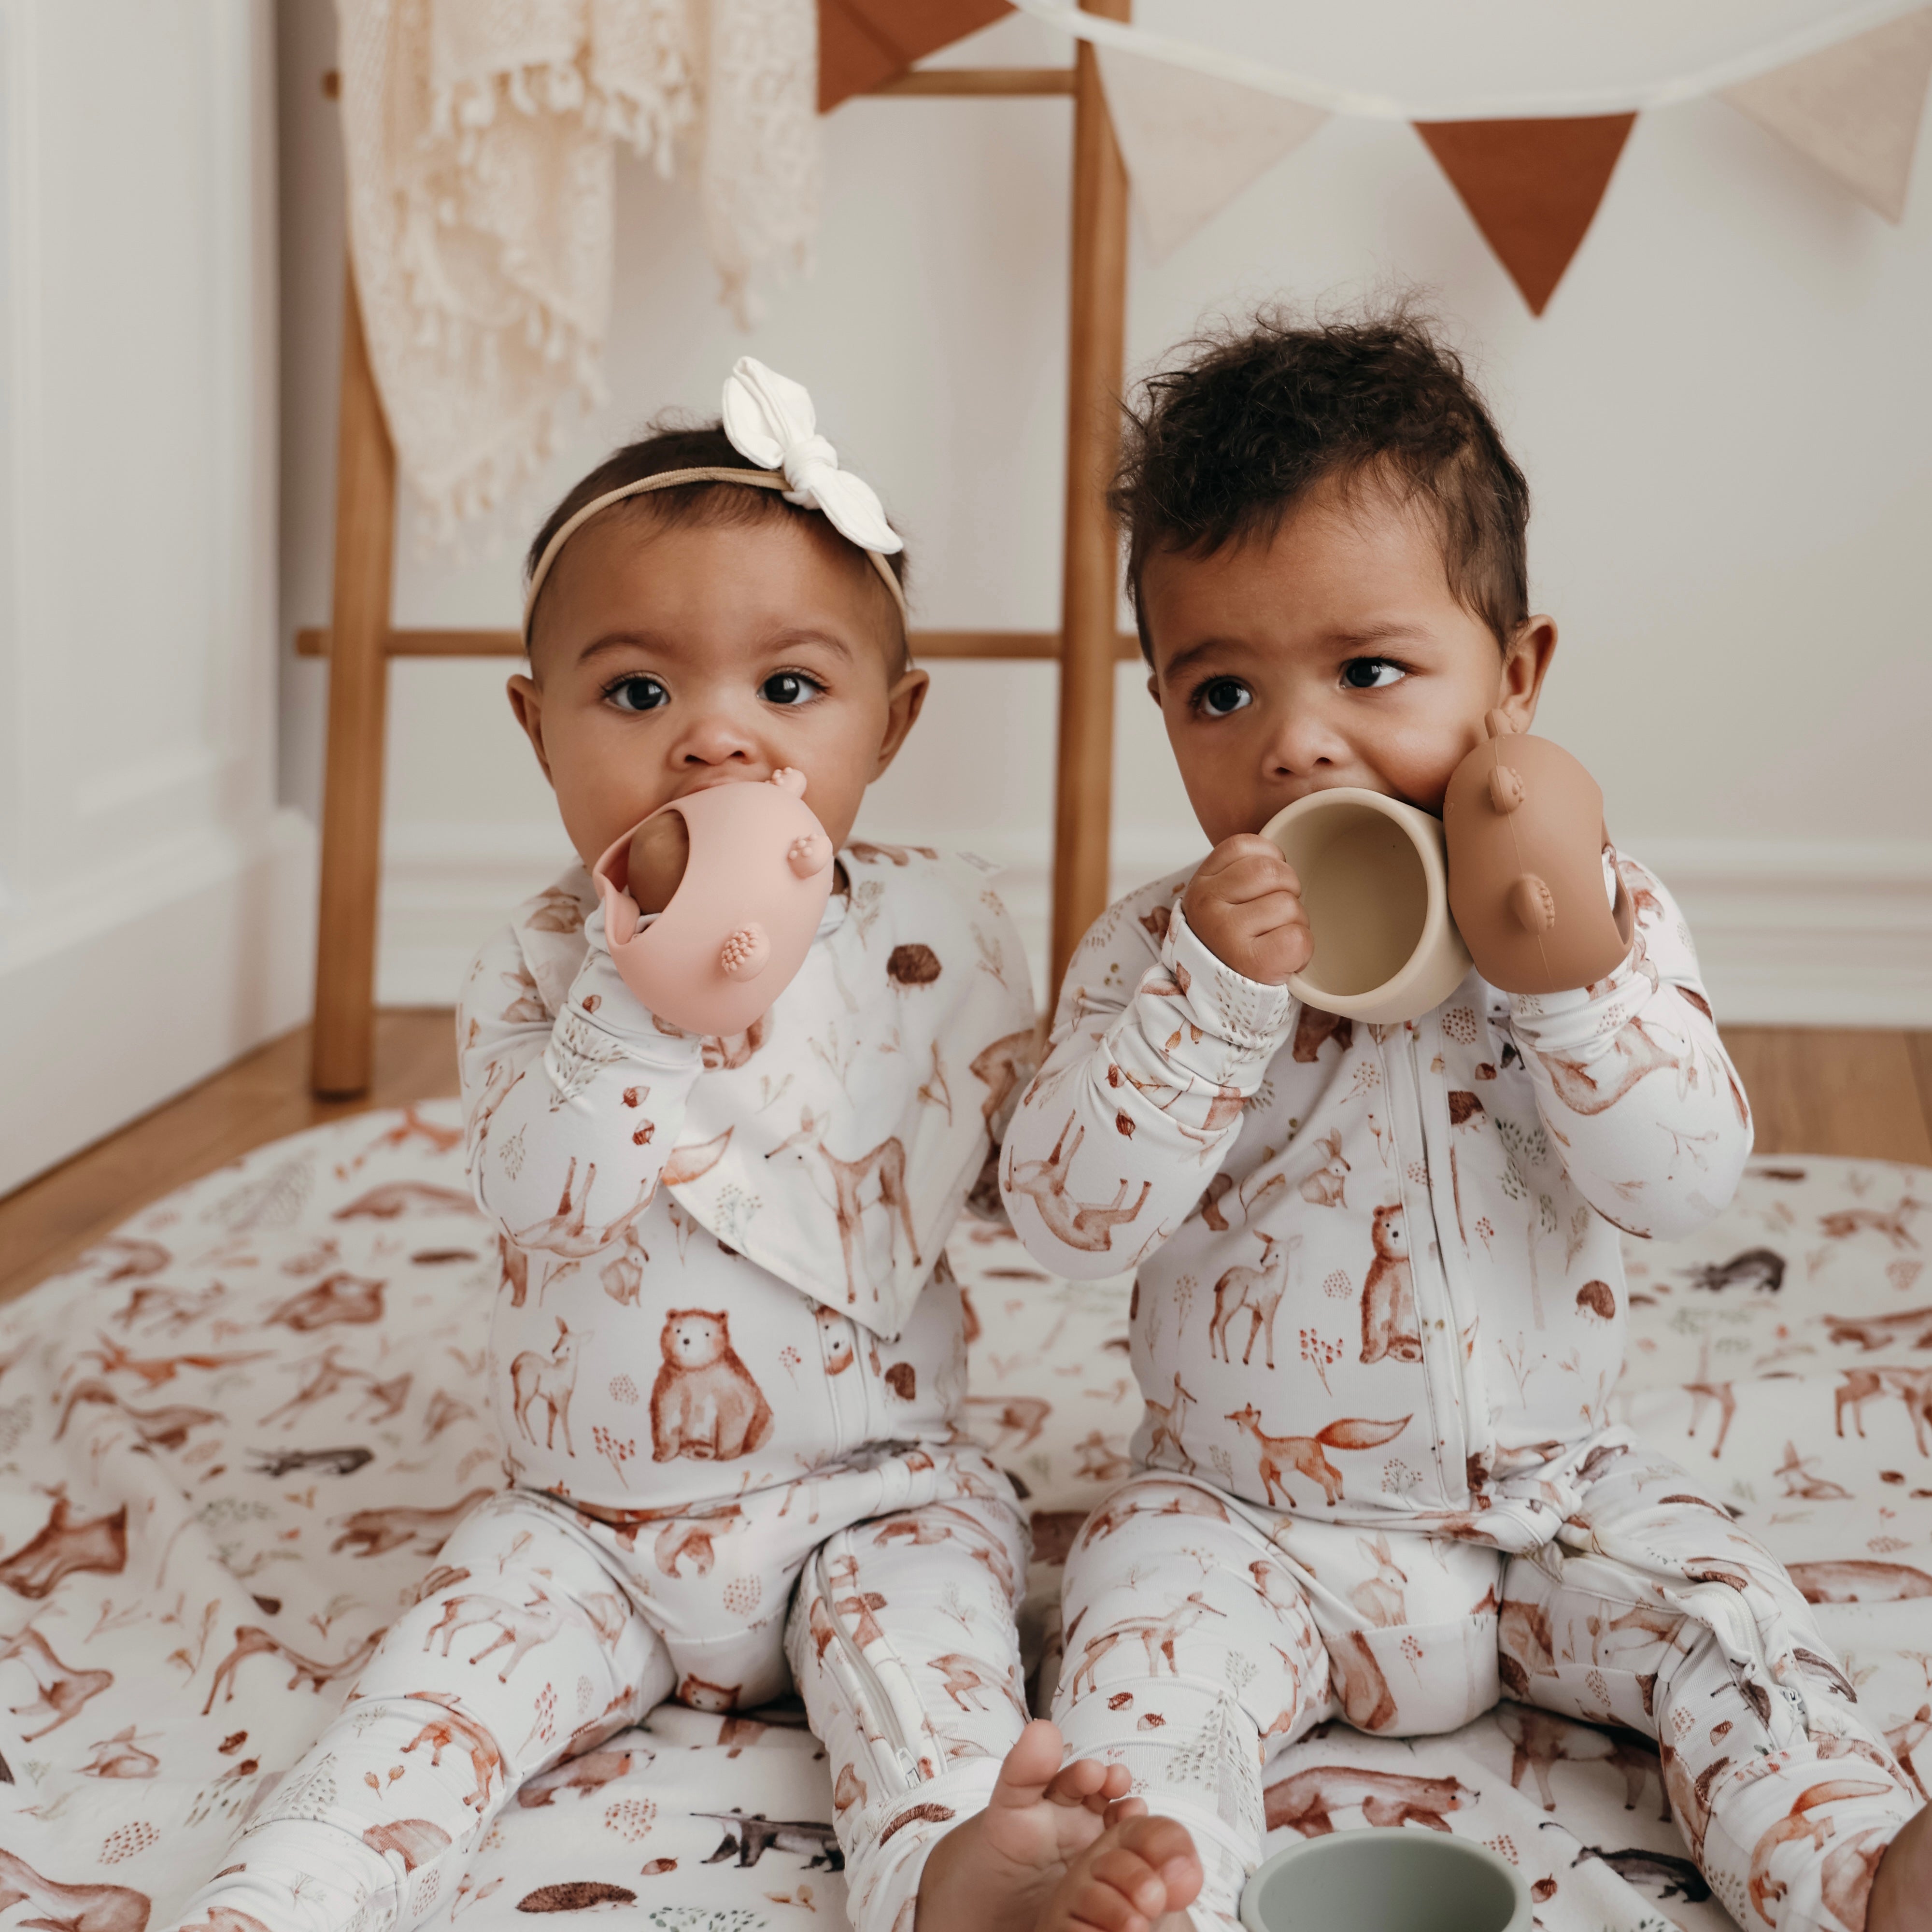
column 1379, row 1306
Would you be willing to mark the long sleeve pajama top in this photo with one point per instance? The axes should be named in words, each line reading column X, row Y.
column 1378, row 1277
column 710, row 1244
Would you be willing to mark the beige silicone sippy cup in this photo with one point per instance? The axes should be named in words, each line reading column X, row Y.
column 1374, row 884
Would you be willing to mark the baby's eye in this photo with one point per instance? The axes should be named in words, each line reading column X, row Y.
column 637, row 694
column 790, row 687
column 1371, row 674
column 1219, row 696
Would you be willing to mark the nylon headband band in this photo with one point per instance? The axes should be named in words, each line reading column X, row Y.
column 754, row 479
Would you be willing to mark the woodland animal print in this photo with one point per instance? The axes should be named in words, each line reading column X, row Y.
column 1277, row 1454
column 1451, row 1190
column 1255, row 1292
column 1388, row 1294
column 667, row 1248
column 704, row 1402
column 1490, row 1321
column 1060, row 1348
column 1252, row 1627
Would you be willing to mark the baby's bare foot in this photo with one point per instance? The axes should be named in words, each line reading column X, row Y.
column 996, row 1872
column 1139, row 1875
column 1901, row 1889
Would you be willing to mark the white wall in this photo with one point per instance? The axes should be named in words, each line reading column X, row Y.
column 155, row 907
column 1726, row 415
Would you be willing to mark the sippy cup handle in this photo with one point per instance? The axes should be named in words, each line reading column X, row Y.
column 1524, row 822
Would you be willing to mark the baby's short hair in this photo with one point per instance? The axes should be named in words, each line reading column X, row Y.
column 1219, row 449
column 670, row 444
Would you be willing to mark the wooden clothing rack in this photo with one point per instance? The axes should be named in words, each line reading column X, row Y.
column 360, row 640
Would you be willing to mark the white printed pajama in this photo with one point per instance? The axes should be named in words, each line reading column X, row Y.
column 1206, row 1634
column 548, row 1631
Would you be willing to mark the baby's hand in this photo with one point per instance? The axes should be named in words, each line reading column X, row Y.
column 660, row 849
column 1245, row 904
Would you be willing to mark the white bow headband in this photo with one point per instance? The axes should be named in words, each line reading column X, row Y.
column 770, row 421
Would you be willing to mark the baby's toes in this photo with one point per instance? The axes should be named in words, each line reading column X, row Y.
column 1089, row 1781
column 1131, row 1876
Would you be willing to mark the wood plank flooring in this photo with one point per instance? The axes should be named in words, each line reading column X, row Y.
column 1866, row 1093
column 45, row 1225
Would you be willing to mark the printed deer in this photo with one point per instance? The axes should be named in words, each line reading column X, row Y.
column 1258, row 1291
column 1892, row 1222
column 486, row 1761
column 1704, row 1394
column 1087, row 1225
column 1165, row 1421
column 1002, row 1066
column 375, row 1532
column 520, row 1628
column 550, row 1379
column 1913, row 1386
column 1303, row 1453
column 1158, row 1636
column 62, row 1691
column 63, row 1545
column 1913, row 1326
column 1179, row 1499
column 885, row 1163
column 251, row 1640
column 70, row 1908
column 1541, row 1739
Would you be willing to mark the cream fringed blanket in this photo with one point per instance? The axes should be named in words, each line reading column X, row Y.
column 480, row 137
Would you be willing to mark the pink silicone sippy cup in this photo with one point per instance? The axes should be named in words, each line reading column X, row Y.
column 744, row 915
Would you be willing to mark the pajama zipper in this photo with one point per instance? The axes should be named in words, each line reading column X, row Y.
column 904, row 1760
column 1450, row 1456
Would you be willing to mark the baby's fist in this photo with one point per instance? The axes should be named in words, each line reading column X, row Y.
column 1245, row 906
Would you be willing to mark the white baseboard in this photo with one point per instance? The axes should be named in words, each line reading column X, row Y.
column 126, row 989
column 1789, row 933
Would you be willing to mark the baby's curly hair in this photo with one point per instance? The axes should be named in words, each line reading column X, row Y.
column 1218, row 450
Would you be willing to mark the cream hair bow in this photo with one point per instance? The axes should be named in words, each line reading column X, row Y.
column 770, row 421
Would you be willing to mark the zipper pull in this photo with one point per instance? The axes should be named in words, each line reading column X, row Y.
column 908, row 1764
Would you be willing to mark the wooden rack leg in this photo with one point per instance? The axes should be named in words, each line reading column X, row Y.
column 1097, row 305
column 351, row 807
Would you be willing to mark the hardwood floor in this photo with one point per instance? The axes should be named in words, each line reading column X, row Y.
column 45, row 1225
column 1866, row 1093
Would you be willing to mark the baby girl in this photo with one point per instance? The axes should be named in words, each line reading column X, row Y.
column 1379, row 1306
column 727, row 1355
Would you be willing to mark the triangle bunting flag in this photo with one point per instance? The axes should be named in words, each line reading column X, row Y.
column 1192, row 142
column 1854, row 109
column 863, row 44
column 1532, row 187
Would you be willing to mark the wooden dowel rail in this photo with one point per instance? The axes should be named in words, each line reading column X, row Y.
column 1089, row 565
column 931, row 646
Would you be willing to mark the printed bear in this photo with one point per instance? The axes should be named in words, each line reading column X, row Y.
column 1389, row 1326
column 704, row 1403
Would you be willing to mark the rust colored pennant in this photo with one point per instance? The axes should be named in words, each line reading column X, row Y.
column 862, row 44
column 1532, row 186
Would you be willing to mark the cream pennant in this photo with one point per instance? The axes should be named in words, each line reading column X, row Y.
column 1191, row 142
column 1854, row 109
